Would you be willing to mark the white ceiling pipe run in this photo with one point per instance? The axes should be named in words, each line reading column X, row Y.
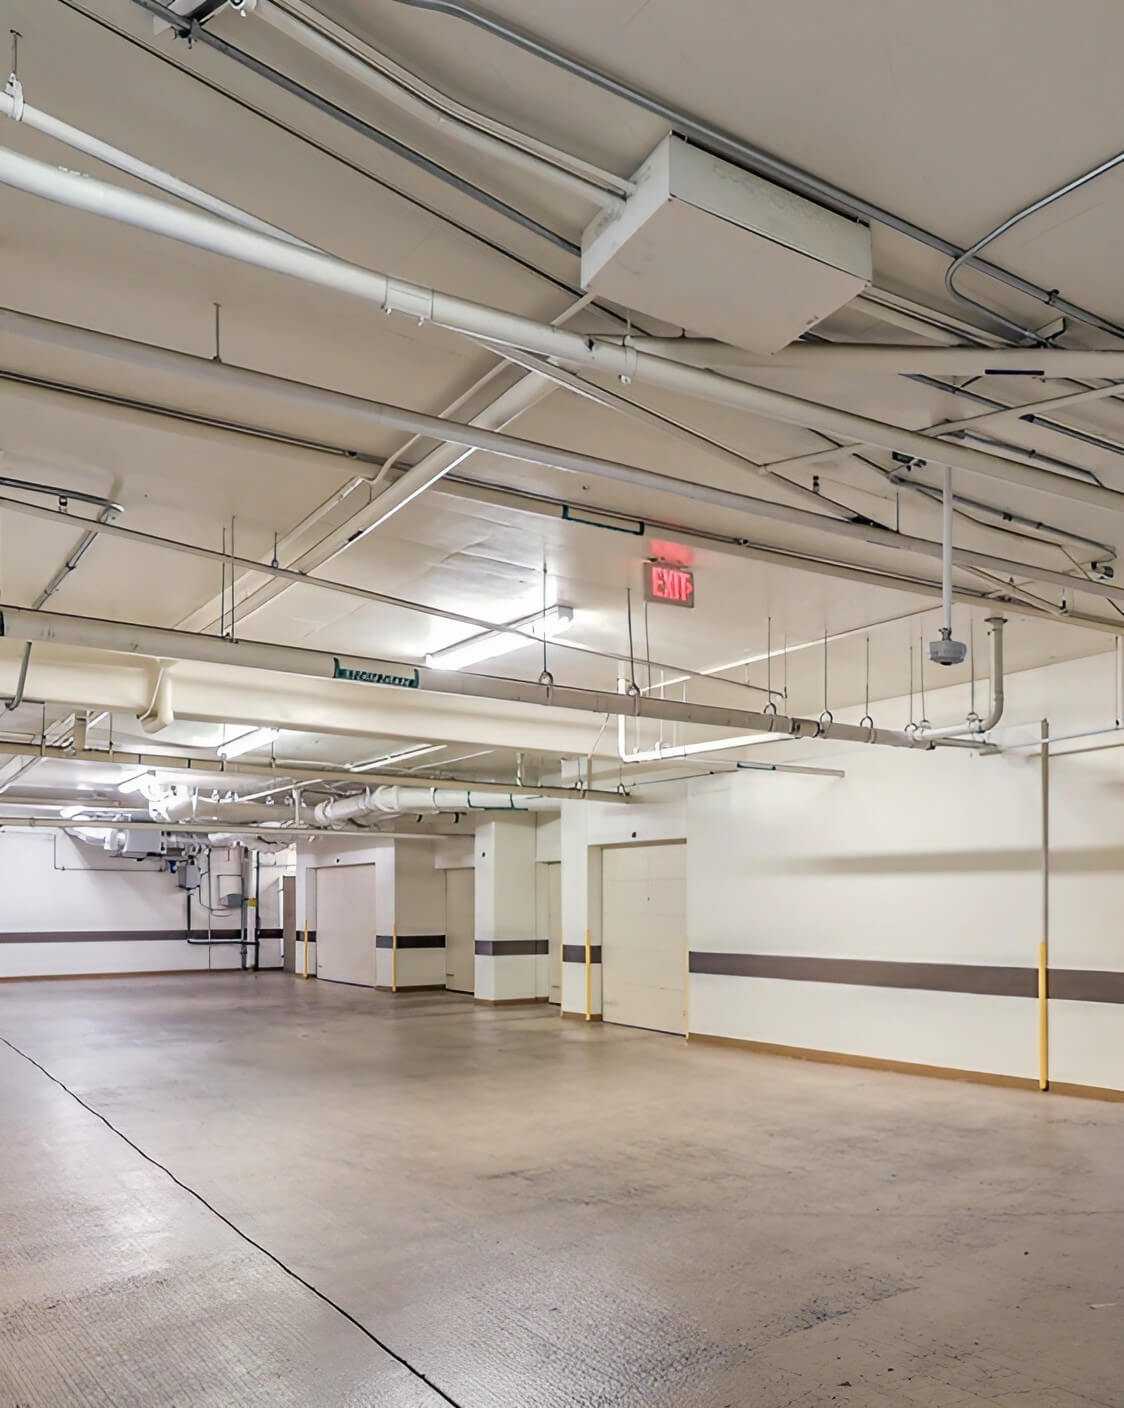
column 477, row 320
column 885, row 359
column 14, row 105
column 159, row 714
column 187, row 805
column 36, row 823
column 345, row 55
column 223, row 375
column 384, row 801
column 20, row 623
column 209, row 771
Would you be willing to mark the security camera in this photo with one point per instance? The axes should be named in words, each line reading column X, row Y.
column 947, row 651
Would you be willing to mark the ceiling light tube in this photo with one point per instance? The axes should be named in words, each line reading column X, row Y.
column 490, row 644
column 247, row 742
column 415, row 752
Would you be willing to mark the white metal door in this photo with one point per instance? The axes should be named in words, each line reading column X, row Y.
column 460, row 929
column 554, row 927
column 644, row 936
column 345, row 924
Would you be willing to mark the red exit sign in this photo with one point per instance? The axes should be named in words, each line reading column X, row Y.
column 674, row 585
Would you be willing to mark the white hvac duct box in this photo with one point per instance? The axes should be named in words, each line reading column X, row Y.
column 712, row 248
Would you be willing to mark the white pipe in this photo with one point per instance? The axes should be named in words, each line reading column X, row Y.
column 973, row 726
column 384, row 801
column 342, row 55
column 476, row 320
column 20, row 623
column 885, row 359
column 187, row 828
column 229, row 378
column 946, row 550
column 13, row 105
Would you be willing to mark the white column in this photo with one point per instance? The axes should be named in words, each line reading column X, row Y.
column 581, row 912
column 512, row 963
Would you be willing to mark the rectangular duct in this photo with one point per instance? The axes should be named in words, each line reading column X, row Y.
column 713, row 249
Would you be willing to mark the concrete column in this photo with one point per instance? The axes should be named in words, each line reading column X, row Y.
column 416, row 956
column 581, row 912
column 512, row 964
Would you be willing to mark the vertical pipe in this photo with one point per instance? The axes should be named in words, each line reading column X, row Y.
column 394, row 959
column 687, row 990
column 588, row 978
column 1044, row 944
column 257, row 909
column 946, row 550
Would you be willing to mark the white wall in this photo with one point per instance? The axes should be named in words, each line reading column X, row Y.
column 919, row 857
column 54, row 885
column 658, row 814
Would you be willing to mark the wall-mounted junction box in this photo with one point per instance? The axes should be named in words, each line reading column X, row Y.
column 713, row 249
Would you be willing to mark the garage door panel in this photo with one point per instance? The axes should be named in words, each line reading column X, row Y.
column 644, row 936
column 345, row 924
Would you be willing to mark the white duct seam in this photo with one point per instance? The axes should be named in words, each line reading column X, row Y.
column 479, row 321
column 394, row 801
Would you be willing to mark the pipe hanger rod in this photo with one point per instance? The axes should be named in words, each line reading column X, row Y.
column 228, row 377
column 18, row 623
column 477, row 320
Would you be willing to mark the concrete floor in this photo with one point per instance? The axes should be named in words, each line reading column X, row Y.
column 530, row 1212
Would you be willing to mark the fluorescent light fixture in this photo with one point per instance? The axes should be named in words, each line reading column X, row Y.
column 135, row 783
column 489, row 644
column 247, row 742
column 71, row 812
column 414, row 752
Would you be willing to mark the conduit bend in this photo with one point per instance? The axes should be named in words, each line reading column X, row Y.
column 726, row 144
column 974, row 725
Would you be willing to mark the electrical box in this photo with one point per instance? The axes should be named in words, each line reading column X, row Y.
column 713, row 249
column 187, row 875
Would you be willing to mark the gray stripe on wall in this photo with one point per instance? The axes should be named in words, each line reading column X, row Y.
column 112, row 936
column 575, row 953
column 506, row 948
column 984, row 979
column 1085, row 985
column 410, row 941
column 1063, row 984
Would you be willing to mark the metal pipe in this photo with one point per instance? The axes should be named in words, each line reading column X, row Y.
column 1044, row 944
column 727, row 144
column 13, row 105
column 211, row 769
column 22, row 624
column 196, row 33
column 228, row 377
column 21, row 683
column 969, row 255
column 946, row 553
column 64, row 496
column 476, row 320
column 289, row 576
column 885, row 359
column 998, row 692
column 347, row 57
column 526, row 501
column 382, row 801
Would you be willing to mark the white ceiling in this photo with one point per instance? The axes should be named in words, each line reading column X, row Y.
column 922, row 109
